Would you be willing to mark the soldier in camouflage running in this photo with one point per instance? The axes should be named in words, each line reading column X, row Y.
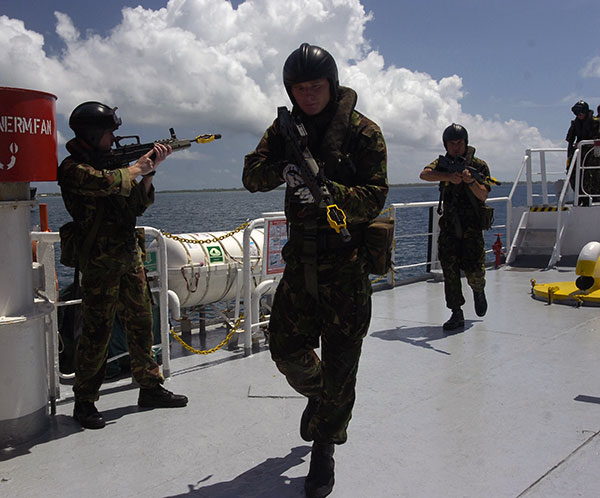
column 104, row 205
column 460, row 242
column 325, row 293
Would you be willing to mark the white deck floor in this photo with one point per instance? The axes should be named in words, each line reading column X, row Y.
column 509, row 407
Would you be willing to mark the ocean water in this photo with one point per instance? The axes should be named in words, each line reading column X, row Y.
column 203, row 211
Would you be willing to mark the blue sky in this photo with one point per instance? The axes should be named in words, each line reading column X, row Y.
column 508, row 70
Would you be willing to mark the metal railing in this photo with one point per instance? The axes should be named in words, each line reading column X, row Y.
column 581, row 164
column 46, row 257
column 252, row 296
column 542, row 175
column 432, row 235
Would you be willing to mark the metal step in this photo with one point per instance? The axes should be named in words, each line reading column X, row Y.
column 536, row 241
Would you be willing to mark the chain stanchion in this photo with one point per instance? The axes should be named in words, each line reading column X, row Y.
column 551, row 291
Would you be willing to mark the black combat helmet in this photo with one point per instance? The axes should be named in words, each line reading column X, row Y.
column 309, row 62
column 90, row 120
column 580, row 107
column 455, row 132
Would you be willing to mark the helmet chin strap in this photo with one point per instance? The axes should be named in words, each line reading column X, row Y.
column 90, row 137
column 84, row 143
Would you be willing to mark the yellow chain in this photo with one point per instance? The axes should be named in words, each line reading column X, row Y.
column 380, row 277
column 208, row 351
column 207, row 241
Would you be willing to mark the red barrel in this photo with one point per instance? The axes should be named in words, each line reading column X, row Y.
column 27, row 136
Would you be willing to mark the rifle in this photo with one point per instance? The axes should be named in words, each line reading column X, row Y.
column 295, row 134
column 122, row 155
column 458, row 164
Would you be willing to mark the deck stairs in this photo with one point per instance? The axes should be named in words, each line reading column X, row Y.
column 539, row 233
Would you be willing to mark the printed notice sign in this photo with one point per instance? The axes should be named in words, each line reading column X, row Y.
column 276, row 237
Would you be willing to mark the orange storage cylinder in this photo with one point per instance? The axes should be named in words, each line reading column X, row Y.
column 27, row 136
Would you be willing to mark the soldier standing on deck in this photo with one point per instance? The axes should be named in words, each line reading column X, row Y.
column 325, row 292
column 460, row 243
column 107, row 250
column 584, row 127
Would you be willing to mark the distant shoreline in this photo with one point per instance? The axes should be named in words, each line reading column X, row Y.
column 238, row 189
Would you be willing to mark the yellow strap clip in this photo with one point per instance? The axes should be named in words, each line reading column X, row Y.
column 336, row 217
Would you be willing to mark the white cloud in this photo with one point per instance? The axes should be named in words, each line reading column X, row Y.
column 65, row 28
column 23, row 62
column 202, row 63
column 592, row 68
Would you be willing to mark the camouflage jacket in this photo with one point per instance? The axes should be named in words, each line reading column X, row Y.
column 458, row 199
column 352, row 153
column 83, row 188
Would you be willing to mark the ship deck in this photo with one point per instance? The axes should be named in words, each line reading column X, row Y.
column 508, row 407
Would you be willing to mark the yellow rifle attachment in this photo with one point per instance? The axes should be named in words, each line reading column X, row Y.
column 492, row 180
column 203, row 139
column 336, row 217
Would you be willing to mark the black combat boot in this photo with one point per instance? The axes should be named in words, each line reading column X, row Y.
column 320, row 478
column 86, row 414
column 311, row 408
column 456, row 320
column 159, row 397
column 480, row 302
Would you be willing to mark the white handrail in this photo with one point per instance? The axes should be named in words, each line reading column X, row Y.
column 251, row 297
column 435, row 229
column 575, row 168
column 46, row 256
column 163, row 297
column 247, row 276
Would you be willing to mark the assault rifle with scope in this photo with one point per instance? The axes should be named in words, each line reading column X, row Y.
column 459, row 164
column 295, row 133
column 121, row 155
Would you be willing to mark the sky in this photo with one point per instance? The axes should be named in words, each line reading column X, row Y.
column 508, row 70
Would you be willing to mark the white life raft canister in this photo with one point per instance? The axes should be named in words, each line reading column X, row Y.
column 206, row 272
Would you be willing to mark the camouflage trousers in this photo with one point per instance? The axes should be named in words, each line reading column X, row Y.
column 113, row 287
column 466, row 253
column 339, row 318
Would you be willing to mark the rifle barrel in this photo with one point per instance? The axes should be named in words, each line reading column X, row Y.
column 122, row 155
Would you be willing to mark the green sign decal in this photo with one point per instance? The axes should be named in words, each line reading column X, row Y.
column 215, row 254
